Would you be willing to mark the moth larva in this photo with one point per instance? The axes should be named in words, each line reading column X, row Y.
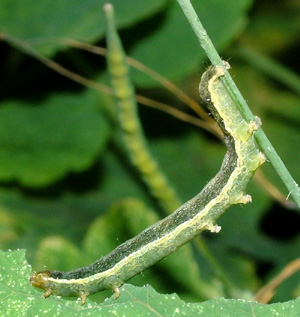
column 200, row 213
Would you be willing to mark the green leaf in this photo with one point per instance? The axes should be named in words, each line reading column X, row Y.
column 268, row 30
column 202, row 159
column 173, row 43
column 42, row 141
column 18, row 298
column 39, row 22
column 283, row 130
column 166, row 34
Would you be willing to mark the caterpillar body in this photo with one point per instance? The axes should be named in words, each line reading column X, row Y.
column 200, row 213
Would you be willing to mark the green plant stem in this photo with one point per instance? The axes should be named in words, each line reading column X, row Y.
column 260, row 136
column 129, row 122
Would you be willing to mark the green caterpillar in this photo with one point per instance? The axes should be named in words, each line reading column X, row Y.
column 200, row 213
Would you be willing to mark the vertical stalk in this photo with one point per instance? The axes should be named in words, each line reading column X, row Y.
column 260, row 136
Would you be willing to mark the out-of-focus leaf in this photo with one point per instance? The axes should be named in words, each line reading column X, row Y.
column 57, row 253
column 165, row 42
column 269, row 32
column 39, row 22
column 26, row 221
column 41, row 142
column 8, row 227
column 284, row 133
column 201, row 159
column 173, row 49
column 280, row 116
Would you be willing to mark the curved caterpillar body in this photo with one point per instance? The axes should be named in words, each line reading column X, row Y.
column 199, row 213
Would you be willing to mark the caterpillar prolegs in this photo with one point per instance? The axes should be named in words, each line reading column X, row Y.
column 200, row 213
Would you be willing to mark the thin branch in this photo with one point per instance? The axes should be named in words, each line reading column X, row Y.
column 179, row 93
column 260, row 136
column 103, row 88
column 265, row 294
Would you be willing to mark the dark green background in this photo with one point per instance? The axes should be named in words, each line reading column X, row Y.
column 64, row 171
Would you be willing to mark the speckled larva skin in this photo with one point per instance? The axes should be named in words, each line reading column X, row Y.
column 198, row 214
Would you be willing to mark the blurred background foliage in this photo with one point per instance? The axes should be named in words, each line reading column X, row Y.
column 68, row 192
